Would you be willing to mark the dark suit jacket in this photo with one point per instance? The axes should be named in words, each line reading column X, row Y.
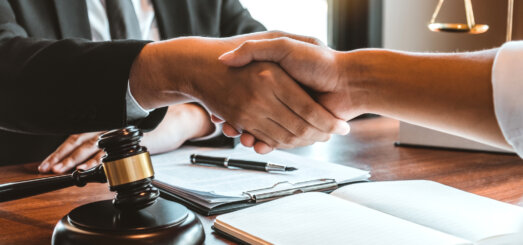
column 54, row 81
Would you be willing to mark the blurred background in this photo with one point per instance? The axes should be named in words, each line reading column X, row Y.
column 397, row 24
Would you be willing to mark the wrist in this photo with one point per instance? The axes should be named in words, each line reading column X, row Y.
column 156, row 77
column 202, row 125
column 364, row 77
column 353, row 81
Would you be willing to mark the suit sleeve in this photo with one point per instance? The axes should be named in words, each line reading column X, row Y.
column 63, row 86
column 236, row 20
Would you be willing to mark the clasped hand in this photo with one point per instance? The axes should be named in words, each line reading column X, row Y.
column 262, row 99
column 313, row 65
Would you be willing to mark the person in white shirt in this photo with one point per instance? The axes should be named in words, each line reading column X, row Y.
column 477, row 95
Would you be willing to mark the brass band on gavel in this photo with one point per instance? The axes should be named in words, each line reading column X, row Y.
column 129, row 169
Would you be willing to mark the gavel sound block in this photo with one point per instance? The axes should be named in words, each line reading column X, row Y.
column 136, row 215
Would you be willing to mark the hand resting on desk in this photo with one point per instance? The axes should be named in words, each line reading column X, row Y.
column 181, row 123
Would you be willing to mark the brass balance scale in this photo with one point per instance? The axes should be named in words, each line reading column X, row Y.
column 470, row 27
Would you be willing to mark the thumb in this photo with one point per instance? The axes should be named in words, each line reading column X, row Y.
column 274, row 50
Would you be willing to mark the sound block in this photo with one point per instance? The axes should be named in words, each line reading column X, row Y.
column 164, row 222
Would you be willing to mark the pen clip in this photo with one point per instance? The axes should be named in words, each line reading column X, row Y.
column 287, row 188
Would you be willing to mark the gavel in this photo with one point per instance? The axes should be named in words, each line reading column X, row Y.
column 136, row 215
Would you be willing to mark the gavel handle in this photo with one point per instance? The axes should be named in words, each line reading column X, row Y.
column 27, row 188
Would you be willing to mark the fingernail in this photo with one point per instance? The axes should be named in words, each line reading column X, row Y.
column 342, row 128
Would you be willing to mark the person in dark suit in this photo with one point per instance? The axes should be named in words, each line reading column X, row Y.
column 56, row 81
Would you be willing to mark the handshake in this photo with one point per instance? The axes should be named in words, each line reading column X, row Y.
column 276, row 90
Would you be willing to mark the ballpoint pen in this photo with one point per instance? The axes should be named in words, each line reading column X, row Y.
column 245, row 164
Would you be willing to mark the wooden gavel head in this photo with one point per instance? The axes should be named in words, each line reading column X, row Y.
column 128, row 168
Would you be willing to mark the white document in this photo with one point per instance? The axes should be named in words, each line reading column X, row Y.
column 388, row 212
column 175, row 169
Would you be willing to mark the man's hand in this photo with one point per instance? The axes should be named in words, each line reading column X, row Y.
column 315, row 66
column 78, row 150
column 407, row 86
column 181, row 123
column 260, row 98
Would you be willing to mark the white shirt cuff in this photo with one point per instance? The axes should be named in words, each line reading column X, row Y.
column 217, row 128
column 217, row 132
column 134, row 110
column 507, row 86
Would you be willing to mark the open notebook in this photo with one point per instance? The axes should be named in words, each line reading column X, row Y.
column 390, row 212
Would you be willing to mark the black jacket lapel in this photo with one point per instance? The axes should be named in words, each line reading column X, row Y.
column 173, row 18
column 73, row 19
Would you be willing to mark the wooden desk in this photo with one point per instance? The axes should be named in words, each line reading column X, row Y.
column 369, row 146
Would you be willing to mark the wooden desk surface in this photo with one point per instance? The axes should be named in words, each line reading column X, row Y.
column 369, row 146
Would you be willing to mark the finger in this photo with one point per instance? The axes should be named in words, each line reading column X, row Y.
column 311, row 112
column 216, row 119
column 299, row 113
column 78, row 156
column 262, row 148
column 276, row 136
column 230, row 131
column 247, row 139
column 64, row 150
column 94, row 161
column 278, row 34
column 267, row 145
column 258, row 50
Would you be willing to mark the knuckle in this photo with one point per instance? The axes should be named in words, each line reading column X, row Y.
column 314, row 41
column 246, row 45
column 283, row 41
column 290, row 140
column 266, row 74
column 303, row 131
column 277, row 33
column 52, row 159
column 93, row 141
column 74, row 138
column 308, row 113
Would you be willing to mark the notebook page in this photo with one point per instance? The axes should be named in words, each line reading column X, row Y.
column 438, row 206
column 175, row 169
column 318, row 218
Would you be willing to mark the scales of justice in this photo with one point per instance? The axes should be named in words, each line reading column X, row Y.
column 136, row 215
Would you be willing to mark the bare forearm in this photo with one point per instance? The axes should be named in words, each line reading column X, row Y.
column 181, row 123
column 448, row 92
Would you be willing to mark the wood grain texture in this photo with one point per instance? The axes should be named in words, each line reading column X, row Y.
column 370, row 146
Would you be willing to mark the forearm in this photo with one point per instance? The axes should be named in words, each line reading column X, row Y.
column 448, row 92
column 180, row 67
column 176, row 80
column 181, row 123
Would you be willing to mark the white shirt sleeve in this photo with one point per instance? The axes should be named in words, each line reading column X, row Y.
column 507, row 85
column 216, row 132
column 134, row 110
